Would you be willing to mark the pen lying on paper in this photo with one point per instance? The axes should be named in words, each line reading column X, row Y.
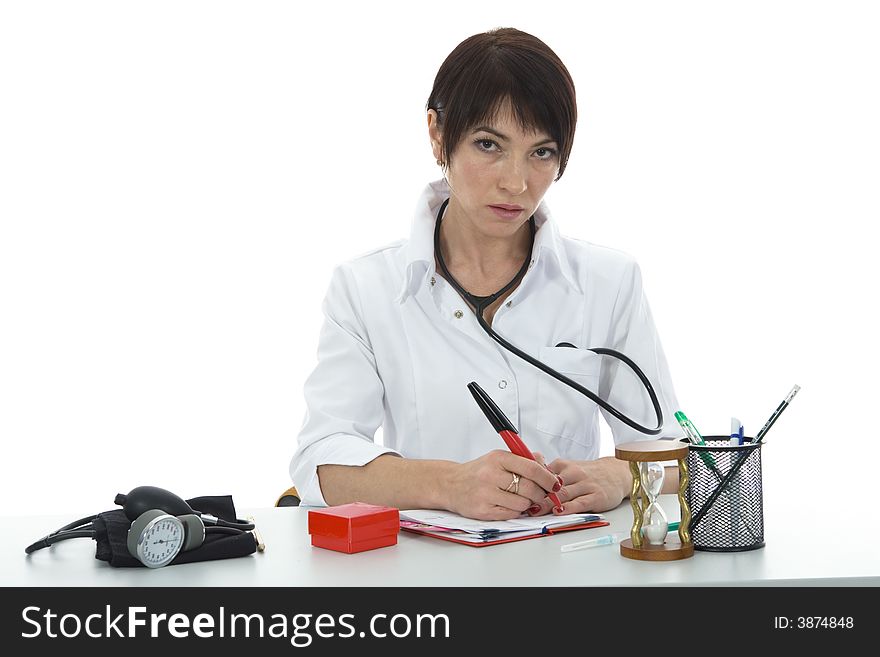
column 505, row 429
column 607, row 539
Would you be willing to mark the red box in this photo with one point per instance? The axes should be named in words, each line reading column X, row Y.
column 354, row 527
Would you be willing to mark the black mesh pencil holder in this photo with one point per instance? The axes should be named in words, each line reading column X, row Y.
column 725, row 495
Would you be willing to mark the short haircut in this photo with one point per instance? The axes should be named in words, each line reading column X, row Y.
column 488, row 69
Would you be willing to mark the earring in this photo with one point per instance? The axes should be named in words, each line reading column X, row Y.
column 440, row 162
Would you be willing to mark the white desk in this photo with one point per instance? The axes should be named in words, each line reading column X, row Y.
column 836, row 555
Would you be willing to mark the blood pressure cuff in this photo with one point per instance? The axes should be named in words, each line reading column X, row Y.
column 111, row 534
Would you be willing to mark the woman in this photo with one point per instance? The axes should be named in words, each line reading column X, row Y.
column 399, row 344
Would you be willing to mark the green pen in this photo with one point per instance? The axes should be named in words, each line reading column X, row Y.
column 690, row 430
column 670, row 527
column 695, row 438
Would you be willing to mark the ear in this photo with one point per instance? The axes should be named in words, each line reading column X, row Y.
column 435, row 135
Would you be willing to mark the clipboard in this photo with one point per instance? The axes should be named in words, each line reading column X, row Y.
column 453, row 537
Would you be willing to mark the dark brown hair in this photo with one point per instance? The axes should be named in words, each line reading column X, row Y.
column 503, row 64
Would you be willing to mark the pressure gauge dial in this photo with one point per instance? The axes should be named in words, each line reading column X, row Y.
column 155, row 538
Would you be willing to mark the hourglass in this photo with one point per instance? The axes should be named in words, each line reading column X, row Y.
column 649, row 539
column 654, row 527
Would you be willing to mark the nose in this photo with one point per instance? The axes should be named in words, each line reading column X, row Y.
column 513, row 177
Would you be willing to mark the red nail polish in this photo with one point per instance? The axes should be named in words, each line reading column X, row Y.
column 557, row 487
column 534, row 508
column 558, row 509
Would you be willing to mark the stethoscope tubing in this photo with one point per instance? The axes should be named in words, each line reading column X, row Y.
column 481, row 303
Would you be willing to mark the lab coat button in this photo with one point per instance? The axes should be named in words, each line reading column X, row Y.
column 458, row 314
column 433, row 281
column 502, row 384
column 508, row 304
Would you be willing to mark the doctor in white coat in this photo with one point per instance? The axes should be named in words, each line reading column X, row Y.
column 399, row 345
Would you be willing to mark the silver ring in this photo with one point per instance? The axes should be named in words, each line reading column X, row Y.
column 513, row 486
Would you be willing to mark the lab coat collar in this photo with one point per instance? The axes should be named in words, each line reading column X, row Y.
column 419, row 250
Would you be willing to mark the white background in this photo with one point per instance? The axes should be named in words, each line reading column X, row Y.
column 178, row 179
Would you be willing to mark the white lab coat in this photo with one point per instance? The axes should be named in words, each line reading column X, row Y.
column 399, row 345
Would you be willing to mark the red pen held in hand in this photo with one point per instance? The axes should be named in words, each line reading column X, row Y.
column 505, row 429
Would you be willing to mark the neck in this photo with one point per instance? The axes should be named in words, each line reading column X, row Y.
column 478, row 281
column 465, row 248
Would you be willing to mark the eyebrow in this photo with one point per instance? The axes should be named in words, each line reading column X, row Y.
column 505, row 138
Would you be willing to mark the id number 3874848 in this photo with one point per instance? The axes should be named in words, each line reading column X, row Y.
column 813, row 622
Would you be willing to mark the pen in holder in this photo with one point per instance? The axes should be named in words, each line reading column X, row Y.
column 725, row 495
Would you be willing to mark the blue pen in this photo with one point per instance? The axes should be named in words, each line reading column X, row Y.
column 736, row 432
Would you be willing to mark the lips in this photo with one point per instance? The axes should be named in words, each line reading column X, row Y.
column 505, row 206
column 505, row 213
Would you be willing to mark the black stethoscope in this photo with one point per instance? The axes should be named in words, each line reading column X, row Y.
column 481, row 303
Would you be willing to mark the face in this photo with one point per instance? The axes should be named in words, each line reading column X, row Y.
column 497, row 164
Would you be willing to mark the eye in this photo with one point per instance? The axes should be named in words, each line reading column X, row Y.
column 482, row 142
column 550, row 153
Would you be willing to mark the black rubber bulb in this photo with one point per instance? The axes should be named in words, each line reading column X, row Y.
column 144, row 498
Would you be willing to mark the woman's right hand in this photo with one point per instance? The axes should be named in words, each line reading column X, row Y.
column 484, row 488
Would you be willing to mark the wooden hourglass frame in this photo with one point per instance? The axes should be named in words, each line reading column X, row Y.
column 637, row 546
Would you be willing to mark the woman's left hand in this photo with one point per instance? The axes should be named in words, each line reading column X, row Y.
column 589, row 486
